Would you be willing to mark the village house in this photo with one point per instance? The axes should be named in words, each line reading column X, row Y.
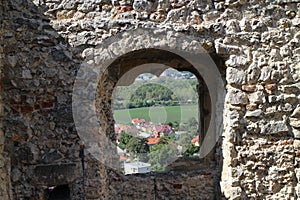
column 137, row 168
column 152, row 141
column 138, row 122
column 195, row 141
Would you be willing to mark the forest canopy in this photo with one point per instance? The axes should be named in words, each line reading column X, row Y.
column 161, row 91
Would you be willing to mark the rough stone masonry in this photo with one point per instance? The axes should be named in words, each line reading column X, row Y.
column 256, row 43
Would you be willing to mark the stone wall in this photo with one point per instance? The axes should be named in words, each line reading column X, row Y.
column 5, row 186
column 37, row 81
column 173, row 185
column 43, row 43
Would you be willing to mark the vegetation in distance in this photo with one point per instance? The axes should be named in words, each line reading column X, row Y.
column 163, row 91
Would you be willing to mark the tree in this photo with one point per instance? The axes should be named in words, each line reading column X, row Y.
column 172, row 92
column 152, row 91
column 174, row 125
column 162, row 155
column 138, row 147
column 191, row 150
column 124, row 139
column 193, row 123
column 185, row 140
column 166, row 140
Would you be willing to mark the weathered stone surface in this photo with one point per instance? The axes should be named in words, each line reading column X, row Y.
column 275, row 127
column 236, row 97
column 235, row 76
column 297, row 144
column 295, row 122
column 55, row 174
column 254, row 113
column 144, row 6
column 233, row 119
column 236, row 61
column 265, row 74
column 257, row 97
column 274, row 98
column 268, row 163
column 296, row 133
column 296, row 112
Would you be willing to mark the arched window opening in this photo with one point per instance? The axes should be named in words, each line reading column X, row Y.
column 123, row 72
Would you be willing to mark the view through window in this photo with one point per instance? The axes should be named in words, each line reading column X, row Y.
column 156, row 121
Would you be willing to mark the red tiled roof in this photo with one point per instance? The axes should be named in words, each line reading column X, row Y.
column 123, row 158
column 135, row 120
column 159, row 129
column 163, row 128
column 152, row 141
column 195, row 139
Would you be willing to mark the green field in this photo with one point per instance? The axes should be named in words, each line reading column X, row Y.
column 162, row 114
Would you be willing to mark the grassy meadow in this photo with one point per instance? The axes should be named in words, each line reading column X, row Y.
column 162, row 114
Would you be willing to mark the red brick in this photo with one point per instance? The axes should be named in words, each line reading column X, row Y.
column 177, row 186
column 46, row 105
column 36, row 106
column 23, row 98
column 123, row 8
column 26, row 109
column 51, row 92
column 16, row 107
column 251, row 107
column 249, row 88
column 15, row 138
column 286, row 142
column 271, row 86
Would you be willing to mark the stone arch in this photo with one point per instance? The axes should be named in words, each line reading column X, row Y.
column 128, row 66
column 94, row 73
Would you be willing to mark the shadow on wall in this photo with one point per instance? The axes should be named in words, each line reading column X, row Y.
column 38, row 74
